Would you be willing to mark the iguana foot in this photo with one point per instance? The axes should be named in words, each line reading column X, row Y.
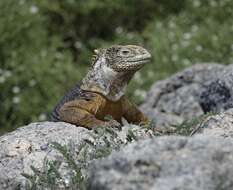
column 113, row 124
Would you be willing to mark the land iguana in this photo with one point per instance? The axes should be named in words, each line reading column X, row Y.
column 102, row 91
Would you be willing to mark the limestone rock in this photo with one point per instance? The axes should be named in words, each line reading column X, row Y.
column 29, row 146
column 219, row 125
column 184, row 95
column 218, row 93
column 167, row 163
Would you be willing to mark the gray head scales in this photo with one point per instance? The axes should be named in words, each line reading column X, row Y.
column 112, row 69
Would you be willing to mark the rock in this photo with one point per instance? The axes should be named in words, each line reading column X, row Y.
column 167, row 163
column 219, row 125
column 185, row 95
column 218, row 93
column 30, row 145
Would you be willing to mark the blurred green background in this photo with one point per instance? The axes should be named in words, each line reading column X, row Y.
column 46, row 45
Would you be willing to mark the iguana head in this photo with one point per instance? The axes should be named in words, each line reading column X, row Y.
column 124, row 58
column 112, row 69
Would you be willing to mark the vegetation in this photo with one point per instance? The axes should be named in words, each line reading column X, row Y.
column 46, row 46
column 50, row 176
column 190, row 127
column 68, row 171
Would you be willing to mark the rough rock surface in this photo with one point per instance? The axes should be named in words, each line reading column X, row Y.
column 219, row 125
column 190, row 93
column 28, row 146
column 218, row 93
column 167, row 163
column 203, row 161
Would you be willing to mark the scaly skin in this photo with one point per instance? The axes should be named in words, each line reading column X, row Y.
column 102, row 91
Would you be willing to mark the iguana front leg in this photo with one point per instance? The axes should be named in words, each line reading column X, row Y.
column 132, row 114
column 74, row 112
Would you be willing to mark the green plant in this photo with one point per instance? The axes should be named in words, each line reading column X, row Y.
column 51, row 178
column 33, row 71
column 189, row 127
column 131, row 136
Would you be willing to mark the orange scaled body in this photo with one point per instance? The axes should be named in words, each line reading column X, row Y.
column 92, row 112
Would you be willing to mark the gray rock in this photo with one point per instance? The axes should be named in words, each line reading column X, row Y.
column 29, row 146
column 218, row 93
column 167, row 163
column 185, row 95
column 219, row 125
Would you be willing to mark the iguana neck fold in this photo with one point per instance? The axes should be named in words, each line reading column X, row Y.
column 104, row 80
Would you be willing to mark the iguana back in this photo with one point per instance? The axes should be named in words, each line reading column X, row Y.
column 74, row 93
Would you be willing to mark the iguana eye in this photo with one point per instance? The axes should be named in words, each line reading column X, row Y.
column 125, row 52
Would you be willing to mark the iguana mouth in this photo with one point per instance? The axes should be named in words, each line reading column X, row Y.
column 139, row 61
column 145, row 57
column 133, row 64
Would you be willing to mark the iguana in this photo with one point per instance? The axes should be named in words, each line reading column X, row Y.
column 101, row 92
